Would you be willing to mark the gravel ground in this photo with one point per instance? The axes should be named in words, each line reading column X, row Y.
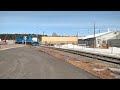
column 96, row 67
column 90, row 60
column 29, row 63
column 4, row 47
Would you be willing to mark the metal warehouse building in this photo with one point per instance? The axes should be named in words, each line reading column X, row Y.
column 100, row 40
column 59, row 40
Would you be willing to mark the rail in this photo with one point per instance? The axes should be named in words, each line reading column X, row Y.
column 101, row 57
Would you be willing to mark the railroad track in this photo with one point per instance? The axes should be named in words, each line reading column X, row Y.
column 101, row 57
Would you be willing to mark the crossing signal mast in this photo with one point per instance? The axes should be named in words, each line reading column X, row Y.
column 94, row 45
column 25, row 37
column 43, row 34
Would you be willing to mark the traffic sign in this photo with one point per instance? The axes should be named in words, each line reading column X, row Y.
column 25, row 37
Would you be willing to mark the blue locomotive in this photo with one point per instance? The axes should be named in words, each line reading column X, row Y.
column 28, row 40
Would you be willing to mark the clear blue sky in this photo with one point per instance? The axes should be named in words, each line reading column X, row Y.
column 61, row 22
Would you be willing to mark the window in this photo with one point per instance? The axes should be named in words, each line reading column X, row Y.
column 98, row 42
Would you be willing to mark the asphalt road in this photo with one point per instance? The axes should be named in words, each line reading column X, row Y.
column 29, row 63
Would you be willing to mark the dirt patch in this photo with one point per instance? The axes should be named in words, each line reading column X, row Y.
column 104, row 73
column 10, row 46
column 95, row 67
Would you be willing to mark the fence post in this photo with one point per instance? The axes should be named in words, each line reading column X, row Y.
column 111, row 50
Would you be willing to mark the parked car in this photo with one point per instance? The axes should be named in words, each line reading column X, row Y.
column 35, row 44
column 3, row 42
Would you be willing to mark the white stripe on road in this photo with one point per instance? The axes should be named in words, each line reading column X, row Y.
column 11, row 47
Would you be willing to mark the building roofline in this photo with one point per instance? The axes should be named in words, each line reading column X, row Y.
column 96, row 35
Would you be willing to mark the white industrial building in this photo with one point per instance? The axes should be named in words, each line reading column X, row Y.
column 99, row 39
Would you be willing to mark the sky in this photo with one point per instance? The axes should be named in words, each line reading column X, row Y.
column 60, row 22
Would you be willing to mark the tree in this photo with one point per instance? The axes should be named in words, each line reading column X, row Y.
column 54, row 34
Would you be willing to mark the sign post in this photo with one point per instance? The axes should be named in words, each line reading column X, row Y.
column 25, row 37
column 0, row 43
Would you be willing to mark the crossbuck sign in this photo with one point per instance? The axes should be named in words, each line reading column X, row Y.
column 25, row 37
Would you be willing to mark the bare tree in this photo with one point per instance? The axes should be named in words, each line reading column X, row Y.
column 54, row 34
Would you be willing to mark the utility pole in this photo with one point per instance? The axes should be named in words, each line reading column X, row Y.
column 88, row 31
column 25, row 37
column 94, row 37
column 43, row 33
column 99, row 30
column 77, row 37
column 77, row 34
